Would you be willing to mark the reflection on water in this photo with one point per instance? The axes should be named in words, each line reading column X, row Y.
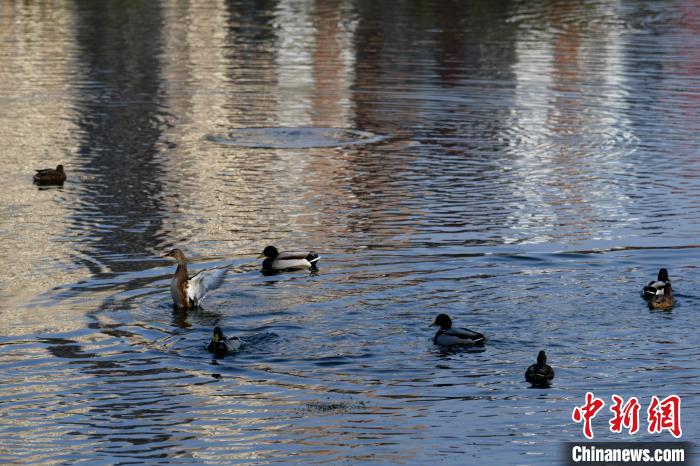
column 540, row 164
column 295, row 137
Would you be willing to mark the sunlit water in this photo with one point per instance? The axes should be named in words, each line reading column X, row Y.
column 539, row 163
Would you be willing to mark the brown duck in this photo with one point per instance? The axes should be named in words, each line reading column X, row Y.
column 50, row 176
column 188, row 292
column 663, row 301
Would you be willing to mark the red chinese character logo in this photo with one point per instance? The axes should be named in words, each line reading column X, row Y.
column 665, row 415
column 625, row 416
column 587, row 412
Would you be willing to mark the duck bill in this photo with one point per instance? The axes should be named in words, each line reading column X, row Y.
column 434, row 324
column 215, row 338
column 261, row 256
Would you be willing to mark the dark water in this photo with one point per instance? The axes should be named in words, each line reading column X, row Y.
column 540, row 162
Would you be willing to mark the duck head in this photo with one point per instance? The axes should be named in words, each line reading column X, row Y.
column 176, row 254
column 59, row 168
column 663, row 275
column 218, row 335
column 217, row 344
column 541, row 358
column 443, row 321
column 270, row 252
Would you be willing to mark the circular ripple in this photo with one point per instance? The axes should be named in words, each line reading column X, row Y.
column 295, row 138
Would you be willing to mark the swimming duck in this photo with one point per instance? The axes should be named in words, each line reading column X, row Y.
column 188, row 292
column 541, row 373
column 663, row 300
column 50, row 176
column 656, row 287
column 221, row 344
column 448, row 336
column 276, row 261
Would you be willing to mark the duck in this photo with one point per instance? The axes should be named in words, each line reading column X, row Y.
column 188, row 292
column 448, row 336
column 276, row 261
column 663, row 300
column 220, row 344
column 540, row 374
column 50, row 175
column 656, row 287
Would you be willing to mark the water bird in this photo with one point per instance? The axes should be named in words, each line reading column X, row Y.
column 656, row 287
column 220, row 344
column 540, row 374
column 664, row 300
column 276, row 261
column 50, row 175
column 448, row 336
column 188, row 292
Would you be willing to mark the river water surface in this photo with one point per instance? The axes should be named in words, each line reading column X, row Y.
column 534, row 164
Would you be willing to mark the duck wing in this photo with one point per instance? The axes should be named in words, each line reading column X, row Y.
column 233, row 343
column 466, row 333
column 459, row 336
column 292, row 255
column 548, row 372
column 293, row 260
column 46, row 171
column 203, row 282
column 653, row 288
column 538, row 375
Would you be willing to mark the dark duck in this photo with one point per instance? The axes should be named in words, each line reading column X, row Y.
column 540, row 374
column 50, row 176
column 450, row 336
column 220, row 344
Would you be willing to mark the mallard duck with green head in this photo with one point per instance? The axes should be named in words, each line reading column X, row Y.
column 276, row 261
column 220, row 344
column 450, row 336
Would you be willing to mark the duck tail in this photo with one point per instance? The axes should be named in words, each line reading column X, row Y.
column 479, row 339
